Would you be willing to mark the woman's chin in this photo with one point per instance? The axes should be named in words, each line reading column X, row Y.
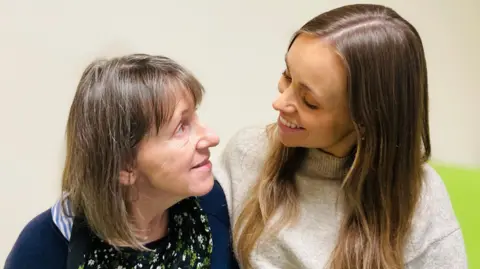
column 201, row 185
column 289, row 143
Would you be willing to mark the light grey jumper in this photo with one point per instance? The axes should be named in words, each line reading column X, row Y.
column 436, row 241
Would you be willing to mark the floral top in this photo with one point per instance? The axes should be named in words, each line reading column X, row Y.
column 188, row 244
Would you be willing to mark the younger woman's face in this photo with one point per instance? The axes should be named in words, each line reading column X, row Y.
column 175, row 161
column 312, row 105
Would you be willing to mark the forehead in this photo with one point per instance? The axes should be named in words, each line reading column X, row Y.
column 184, row 102
column 172, row 111
column 316, row 64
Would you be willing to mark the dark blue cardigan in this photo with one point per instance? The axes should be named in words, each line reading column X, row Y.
column 42, row 245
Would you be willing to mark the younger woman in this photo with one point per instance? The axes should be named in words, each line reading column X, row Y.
column 341, row 180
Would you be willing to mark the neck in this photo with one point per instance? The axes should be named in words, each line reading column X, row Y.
column 150, row 216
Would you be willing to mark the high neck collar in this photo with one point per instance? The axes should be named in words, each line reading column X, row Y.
column 322, row 165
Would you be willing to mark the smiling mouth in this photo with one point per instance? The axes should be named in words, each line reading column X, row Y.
column 289, row 124
column 203, row 163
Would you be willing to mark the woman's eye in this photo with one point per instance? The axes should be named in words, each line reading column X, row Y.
column 309, row 105
column 182, row 128
column 286, row 76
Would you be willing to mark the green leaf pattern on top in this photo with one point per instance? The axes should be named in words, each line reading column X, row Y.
column 187, row 245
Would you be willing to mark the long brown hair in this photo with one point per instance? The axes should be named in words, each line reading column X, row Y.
column 388, row 102
column 117, row 102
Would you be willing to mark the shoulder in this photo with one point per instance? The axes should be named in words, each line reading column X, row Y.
column 246, row 142
column 215, row 207
column 214, row 203
column 240, row 160
column 435, row 202
column 39, row 245
column 434, row 219
column 244, row 151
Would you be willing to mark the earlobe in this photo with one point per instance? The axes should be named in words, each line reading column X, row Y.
column 127, row 178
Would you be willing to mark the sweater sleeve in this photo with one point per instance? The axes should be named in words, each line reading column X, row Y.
column 39, row 245
column 446, row 253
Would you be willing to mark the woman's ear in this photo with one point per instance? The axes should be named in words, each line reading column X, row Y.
column 361, row 130
column 127, row 178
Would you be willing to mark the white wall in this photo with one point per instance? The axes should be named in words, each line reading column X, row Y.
column 236, row 48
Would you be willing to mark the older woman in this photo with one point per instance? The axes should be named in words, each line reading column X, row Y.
column 137, row 158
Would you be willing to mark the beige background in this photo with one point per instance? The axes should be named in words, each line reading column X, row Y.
column 236, row 49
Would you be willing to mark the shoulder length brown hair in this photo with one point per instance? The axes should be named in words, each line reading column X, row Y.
column 388, row 102
column 117, row 102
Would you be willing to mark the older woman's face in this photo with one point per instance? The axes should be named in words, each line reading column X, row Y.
column 175, row 161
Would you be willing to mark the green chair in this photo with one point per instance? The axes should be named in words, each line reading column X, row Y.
column 463, row 186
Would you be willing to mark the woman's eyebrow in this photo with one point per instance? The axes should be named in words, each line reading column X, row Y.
column 303, row 85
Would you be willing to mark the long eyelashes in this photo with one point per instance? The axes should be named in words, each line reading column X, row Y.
column 309, row 105
column 287, row 77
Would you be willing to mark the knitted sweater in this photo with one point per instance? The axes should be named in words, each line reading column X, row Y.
column 435, row 242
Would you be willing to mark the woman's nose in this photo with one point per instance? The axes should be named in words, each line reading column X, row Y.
column 282, row 104
column 208, row 139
